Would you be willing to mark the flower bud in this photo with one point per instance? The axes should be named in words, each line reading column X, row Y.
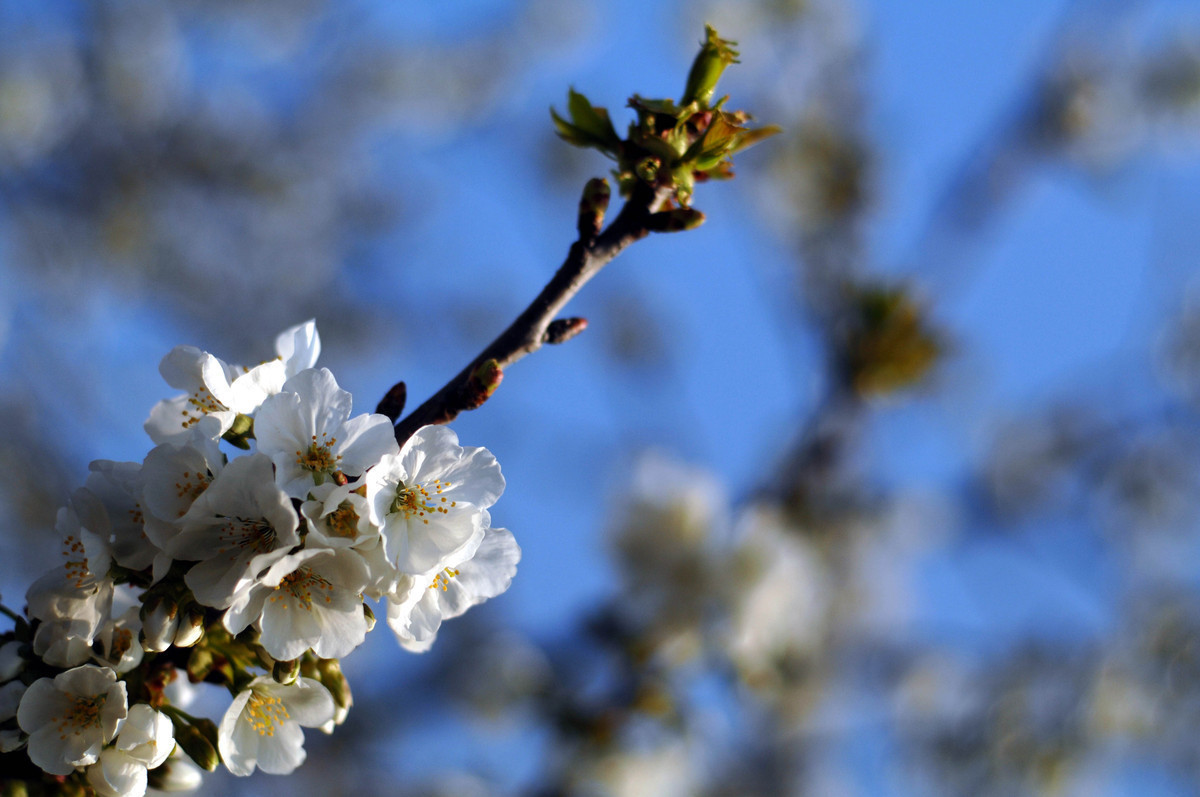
column 286, row 672
column 160, row 621
column 191, row 627
column 329, row 673
column 592, row 207
column 15, row 788
column 177, row 774
column 675, row 220
column 198, row 739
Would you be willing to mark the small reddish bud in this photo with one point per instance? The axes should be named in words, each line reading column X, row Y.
column 392, row 404
column 561, row 330
column 592, row 207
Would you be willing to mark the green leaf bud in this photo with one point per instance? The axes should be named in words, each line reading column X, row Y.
column 715, row 55
column 198, row 738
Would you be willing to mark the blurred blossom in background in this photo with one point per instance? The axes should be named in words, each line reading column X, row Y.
column 884, row 481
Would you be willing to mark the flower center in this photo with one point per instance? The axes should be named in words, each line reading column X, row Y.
column 302, row 583
column 198, row 405
column 442, row 579
column 243, row 533
column 319, row 459
column 190, row 486
column 83, row 713
column 343, row 521
column 264, row 713
column 419, row 501
column 77, row 567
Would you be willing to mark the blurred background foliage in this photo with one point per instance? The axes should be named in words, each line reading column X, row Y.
column 883, row 482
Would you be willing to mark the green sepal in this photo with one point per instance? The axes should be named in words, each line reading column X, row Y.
column 241, row 433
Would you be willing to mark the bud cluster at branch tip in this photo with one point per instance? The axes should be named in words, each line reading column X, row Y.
column 670, row 145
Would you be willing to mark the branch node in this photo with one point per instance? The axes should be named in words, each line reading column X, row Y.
column 482, row 384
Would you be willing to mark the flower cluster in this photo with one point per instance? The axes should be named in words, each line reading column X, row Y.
column 247, row 571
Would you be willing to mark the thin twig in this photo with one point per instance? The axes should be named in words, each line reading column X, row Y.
column 527, row 333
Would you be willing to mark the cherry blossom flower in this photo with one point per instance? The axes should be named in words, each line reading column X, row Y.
column 145, row 741
column 339, row 516
column 216, row 392
column 115, row 489
column 174, row 476
column 309, row 599
column 69, row 718
column 416, row 615
column 262, row 727
column 430, row 500
column 74, row 599
column 238, row 527
column 307, row 431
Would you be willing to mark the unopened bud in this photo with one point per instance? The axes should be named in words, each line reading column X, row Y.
column 14, row 788
column 675, row 220
column 561, row 330
column 592, row 207
column 176, row 774
column 240, row 433
column 160, row 621
column 329, row 673
column 199, row 740
column 200, row 663
column 191, row 627
column 286, row 672
column 392, row 404
column 483, row 383
column 647, row 169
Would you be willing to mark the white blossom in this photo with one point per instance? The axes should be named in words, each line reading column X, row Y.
column 74, row 599
column 416, row 616
column 144, row 742
column 216, row 392
column 430, row 500
column 69, row 718
column 119, row 644
column 173, row 477
column 307, row 431
column 262, row 727
column 298, row 347
column 10, row 698
column 339, row 516
column 11, row 662
column 238, row 527
column 309, row 599
column 178, row 773
column 115, row 488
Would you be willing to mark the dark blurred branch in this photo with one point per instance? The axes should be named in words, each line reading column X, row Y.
column 590, row 253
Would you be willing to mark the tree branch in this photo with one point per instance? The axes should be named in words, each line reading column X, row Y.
column 590, row 253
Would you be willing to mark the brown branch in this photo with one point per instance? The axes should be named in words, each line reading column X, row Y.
column 527, row 333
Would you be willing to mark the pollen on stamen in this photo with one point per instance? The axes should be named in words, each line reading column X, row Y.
column 264, row 712
column 442, row 579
